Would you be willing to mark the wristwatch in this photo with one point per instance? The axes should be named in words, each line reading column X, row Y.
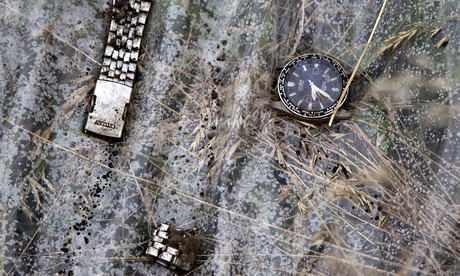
column 309, row 87
column 115, row 84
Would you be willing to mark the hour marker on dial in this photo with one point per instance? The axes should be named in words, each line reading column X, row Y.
column 291, row 84
column 335, row 89
column 292, row 94
column 304, row 68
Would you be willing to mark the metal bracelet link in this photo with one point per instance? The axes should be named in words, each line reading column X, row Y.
column 124, row 41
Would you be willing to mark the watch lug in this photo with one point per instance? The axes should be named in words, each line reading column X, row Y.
column 278, row 105
column 342, row 114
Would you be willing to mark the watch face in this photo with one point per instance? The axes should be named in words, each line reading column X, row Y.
column 310, row 85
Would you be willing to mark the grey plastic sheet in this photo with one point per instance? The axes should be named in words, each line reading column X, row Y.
column 377, row 194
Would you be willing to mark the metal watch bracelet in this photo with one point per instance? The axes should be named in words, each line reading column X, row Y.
column 115, row 84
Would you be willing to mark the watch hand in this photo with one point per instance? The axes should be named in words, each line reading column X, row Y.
column 324, row 94
column 313, row 90
column 318, row 90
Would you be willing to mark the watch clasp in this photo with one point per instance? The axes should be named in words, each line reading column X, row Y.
column 107, row 115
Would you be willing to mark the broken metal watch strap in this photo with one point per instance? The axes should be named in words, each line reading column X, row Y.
column 114, row 86
column 173, row 248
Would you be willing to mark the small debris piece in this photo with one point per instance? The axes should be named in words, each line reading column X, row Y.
column 173, row 248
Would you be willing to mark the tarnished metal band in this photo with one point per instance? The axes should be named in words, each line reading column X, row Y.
column 114, row 87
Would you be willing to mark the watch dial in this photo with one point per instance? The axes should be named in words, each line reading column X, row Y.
column 311, row 85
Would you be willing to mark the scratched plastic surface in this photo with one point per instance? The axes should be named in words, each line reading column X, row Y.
column 377, row 194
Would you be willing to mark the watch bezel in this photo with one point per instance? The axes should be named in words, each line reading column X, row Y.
column 312, row 115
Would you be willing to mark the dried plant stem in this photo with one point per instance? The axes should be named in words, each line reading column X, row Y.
column 342, row 95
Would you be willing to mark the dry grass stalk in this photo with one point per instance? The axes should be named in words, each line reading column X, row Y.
column 355, row 70
column 435, row 32
column 441, row 43
column 395, row 41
